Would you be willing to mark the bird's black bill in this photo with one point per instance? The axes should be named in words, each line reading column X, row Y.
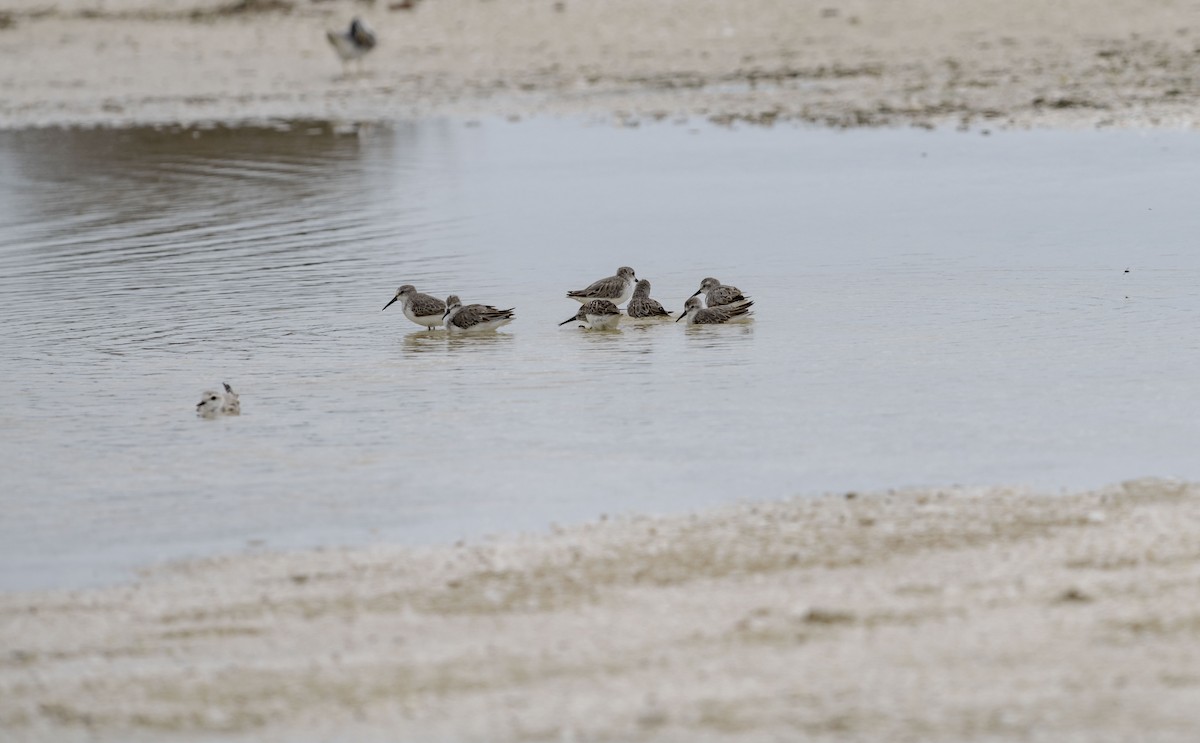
column 564, row 322
column 697, row 292
column 683, row 315
column 389, row 304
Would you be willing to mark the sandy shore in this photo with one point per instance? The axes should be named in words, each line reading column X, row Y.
column 933, row 616
column 846, row 63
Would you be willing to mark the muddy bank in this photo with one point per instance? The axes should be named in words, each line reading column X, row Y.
column 933, row 615
column 920, row 62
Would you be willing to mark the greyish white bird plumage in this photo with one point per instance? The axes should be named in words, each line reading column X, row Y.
column 422, row 309
column 214, row 404
column 474, row 318
column 598, row 314
column 695, row 314
column 642, row 306
column 616, row 289
column 717, row 294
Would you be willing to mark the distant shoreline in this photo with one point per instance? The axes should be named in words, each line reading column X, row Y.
column 986, row 64
column 961, row 614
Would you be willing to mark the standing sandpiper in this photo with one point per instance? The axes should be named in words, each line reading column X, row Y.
column 420, row 308
column 598, row 314
column 474, row 318
column 616, row 289
column 353, row 43
column 697, row 315
column 641, row 305
column 717, row 294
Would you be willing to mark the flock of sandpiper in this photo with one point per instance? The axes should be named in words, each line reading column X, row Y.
column 598, row 302
column 598, row 310
column 598, row 306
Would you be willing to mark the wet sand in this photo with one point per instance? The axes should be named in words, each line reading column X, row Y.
column 989, row 63
column 944, row 615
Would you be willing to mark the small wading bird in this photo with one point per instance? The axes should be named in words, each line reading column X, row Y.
column 420, row 308
column 213, row 404
column 641, row 305
column 615, row 289
column 717, row 294
column 598, row 314
column 353, row 43
column 697, row 315
column 474, row 318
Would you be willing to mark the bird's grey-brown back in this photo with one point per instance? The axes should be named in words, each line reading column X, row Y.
column 717, row 294
column 601, row 307
column 423, row 305
column 641, row 305
column 616, row 289
column 475, row 314
column 362, row 36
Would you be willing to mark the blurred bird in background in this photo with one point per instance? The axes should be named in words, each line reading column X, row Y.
column 353, row 43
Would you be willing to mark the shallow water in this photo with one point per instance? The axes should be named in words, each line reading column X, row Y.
column 934, row 308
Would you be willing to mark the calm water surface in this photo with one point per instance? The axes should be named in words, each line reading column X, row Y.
column 934, row 308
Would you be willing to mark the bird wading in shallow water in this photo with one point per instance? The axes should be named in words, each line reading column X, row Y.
column 214, row 404
column 353, row 43
column 598, row 314
column 695, row 314
column 420, row 308
column 717, row 294
column 641, row 305
column 474, row 318
column 615, row 289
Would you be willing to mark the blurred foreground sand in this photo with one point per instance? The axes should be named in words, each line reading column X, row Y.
column 843, row 62
column 926, row 615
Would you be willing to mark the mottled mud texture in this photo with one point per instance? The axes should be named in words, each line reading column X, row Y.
column 987, row 63
column 940, row 615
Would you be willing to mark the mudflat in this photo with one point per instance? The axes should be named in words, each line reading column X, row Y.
column 933, row 615
column 1004, row 63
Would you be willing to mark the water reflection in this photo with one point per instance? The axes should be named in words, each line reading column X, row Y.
column 470, row 342
column 165, row 239
column 162, row 182
column 425, row 341
column 719, row 336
